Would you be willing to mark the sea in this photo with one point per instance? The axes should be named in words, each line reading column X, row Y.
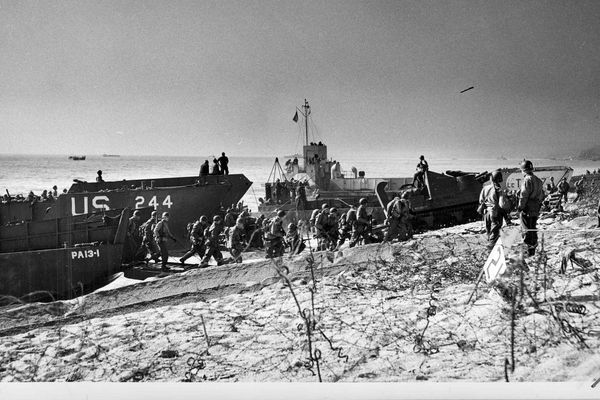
column 23, row 173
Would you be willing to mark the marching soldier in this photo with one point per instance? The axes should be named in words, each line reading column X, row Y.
column 347, row 225
column 235, row 243
column 406, row 229
column 490, row 198
column 294, row 240
column 321, row 227
column 161, row 235
column 212, row 242
column 361, row 225
column 393, row 214
column 197, row 239
column 276, row 245
column 147, row 231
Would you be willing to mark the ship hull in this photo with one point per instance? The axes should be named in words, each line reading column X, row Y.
column 184, row 198
column 61, row 258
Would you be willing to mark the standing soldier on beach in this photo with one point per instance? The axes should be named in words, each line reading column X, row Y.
column 407, row 213
column 563, row 188
column 419, row 176
column 393, row 214
column 321, row 227
column 362, row 223
column 215, row 167
column 197, row 239
column 162, row 234
column 223, row 163
column 490, row 199
column 147, row 231
column 235, row 244
column 530, row 202
column 133, row 233
column 276, row 245
column 294, row 240
column 212, row 242
column 348, row 225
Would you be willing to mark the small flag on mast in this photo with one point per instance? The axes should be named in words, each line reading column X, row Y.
column 295, row 119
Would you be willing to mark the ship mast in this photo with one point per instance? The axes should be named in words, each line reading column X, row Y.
column 306, row 112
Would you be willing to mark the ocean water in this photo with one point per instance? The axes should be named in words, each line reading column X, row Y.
column 22, row 173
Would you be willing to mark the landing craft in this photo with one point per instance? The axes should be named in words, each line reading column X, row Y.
column 447, row 199
column 185, row 198
column 467, row 89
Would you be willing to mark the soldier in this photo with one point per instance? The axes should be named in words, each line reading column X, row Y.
column 133, row 234
column 347, row 225
column 321, row 228
column 197, row 239
column 313, row 218
column 235, row 243
column 276, row 235
column 332, row 228
column 301, row 197
column 419, row 176
column 230, row 218
column 530, row 201
column 490, row 198
column 223, row 162
column 54, row 191
column 215, row 167
column 99, row 177
column 147, row 232
column 405, row 226
column 362, row 223
column 294, row 240
column 212, row 242
column 393, row 214
column 162, row 234
column 563, row 188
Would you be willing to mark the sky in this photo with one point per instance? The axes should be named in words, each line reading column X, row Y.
column 382, row 77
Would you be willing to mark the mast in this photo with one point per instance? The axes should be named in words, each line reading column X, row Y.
column 306, row 112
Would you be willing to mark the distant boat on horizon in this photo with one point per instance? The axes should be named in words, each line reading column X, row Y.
column 111, row 155
column 77, row 158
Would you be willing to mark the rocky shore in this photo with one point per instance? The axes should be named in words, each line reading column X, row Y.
column 379, row 313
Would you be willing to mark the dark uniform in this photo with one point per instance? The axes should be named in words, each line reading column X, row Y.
column 235, row 244
column 215, row 167
column 133, row 235
column 321, row 227
column 276, row 234
column 530, row 202
column 347, row 225
column 223, row 162
column 197, row 239
column 361, row 225
column 162, row 234
column 212, row 242
column 147, row 231
column 393, row 214
column 493, row 215
column 419, row 176
column 293, row 240
column 563, row 189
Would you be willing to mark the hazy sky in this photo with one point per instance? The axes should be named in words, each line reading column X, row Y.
column 201, row 77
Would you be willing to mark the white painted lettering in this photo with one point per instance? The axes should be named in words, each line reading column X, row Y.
column 101, row 206
column 74, row 209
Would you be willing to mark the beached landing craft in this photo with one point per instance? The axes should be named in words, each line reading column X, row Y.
column 185, row 198
column 64, row 257
column 447, row 199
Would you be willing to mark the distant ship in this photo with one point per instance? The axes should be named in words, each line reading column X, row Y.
column 110, row 155
column 77, row 158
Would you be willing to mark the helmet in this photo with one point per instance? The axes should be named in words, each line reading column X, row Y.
column 527, row 165
column 154, row 213
column 324, row 206
column 281, row 213
column 203, row 218
column 99, row 172
column 497, row 176
column 422, row 157
column 292, row 226
column 405, row 195
column 332, row 210
column 137, row 213
column 216, row 218
column 165, row 214
column 362, row 201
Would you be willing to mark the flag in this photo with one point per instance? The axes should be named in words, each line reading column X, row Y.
column 295, row 119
